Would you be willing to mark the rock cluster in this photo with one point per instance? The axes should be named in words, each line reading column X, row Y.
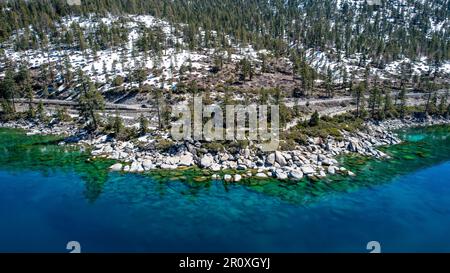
column 316, row 159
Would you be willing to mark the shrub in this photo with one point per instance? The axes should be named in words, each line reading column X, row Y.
column 214, row 146
column 62, row 115
column 118, row 81
column 143, row 125
column 287, row 145
column 163, row 145
column 314, row 120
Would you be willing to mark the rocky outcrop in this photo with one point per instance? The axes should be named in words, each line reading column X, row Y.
column 307, row 170
column 136, row 167
column 270, row 160
column 186, row 160
column 206, row 161
column 280, row 174
column 116, row 167
column 237, row 177
column 279, row 158
column 148, row 165
column 296, row 175
column 316, row 159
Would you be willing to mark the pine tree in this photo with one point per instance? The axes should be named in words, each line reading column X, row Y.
column 114, row 66
column 402, row 105
column 432, row 108
column 245, row 68
column 278, row 96
column 105, row 71
column 388, row 105
column 372, row 102
column 140, row 74
column 22, row 78
column 143, row 125
column 447, row 114
column 89, row 103
column 442, row 104
column 344, row 76
column 81, row 41
column 328, row 83
column 159, row 105
column 31, row 113
column 377, row 104
column 45, row 93
column 118, row 126
column 8, row 92
column 429, row 89
column 263, row 96
column 62, row 115
column 94, row 71
column 358, row 94
column 68, row 75
column 41, row 113
column 314, row 120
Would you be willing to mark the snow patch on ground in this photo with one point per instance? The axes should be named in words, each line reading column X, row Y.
column 106, row 64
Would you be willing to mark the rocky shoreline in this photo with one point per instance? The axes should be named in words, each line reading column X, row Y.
column 314, row 160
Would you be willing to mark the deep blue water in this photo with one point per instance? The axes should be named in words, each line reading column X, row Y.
column 411, row 213
column 41, row 212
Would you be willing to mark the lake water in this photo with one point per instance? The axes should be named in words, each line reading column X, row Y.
column 50, row 195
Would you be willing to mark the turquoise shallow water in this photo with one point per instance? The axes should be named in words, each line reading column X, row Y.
column 51, row 195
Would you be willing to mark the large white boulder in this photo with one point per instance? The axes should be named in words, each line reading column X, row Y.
column 227, row 177
column 279, row 158
column 280, row 174
column 270, row 159
column 186, row 160
column 136, row 167
column 116, row 167
column 308, row 170
column 148, row 165
column 297, row 175
column 331, row 170
column 215, row 167
column 206, row 161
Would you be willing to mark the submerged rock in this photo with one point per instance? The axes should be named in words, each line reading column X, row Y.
column 297, row 175
column 331, row 170
column 168, row 167
column 261, row 175
column 307, row 170
column 116, row 167
column 280, row 174
column 215, row 167
column 136, row 167
column 322, row 174
column 215, row 176
column 148, row 165
column 237, row 177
